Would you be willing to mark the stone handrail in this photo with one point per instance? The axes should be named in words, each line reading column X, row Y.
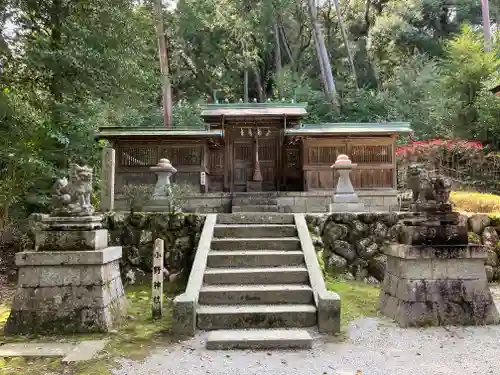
column 185, row 304
column 327, row 303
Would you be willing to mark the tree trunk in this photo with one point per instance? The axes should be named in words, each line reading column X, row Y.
column 277, row 56
column 56, row 84
column 486, row 25
column 322, row 54
column 285, row 44
column 163, row 56
column 320, row 63
column 344, row 37
column 245, row 85
column 258, row 82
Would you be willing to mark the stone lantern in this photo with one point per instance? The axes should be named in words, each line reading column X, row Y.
column 345, row 198
column 164, row 170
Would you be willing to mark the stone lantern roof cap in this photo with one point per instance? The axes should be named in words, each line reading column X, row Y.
column 164, row 165
column 344, row 162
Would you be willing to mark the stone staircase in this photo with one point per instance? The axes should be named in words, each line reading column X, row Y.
column 256, row 290
column 255, row 202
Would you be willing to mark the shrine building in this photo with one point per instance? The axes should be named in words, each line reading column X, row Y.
column 258, row 149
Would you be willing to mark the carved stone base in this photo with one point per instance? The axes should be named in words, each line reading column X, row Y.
column 444, row 285
column 67, row 292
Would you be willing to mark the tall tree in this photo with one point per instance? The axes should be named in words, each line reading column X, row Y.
column 163, row 55
column 324, row 61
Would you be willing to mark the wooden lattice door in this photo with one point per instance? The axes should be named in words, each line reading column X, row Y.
column 268, row 161
column 243, row 165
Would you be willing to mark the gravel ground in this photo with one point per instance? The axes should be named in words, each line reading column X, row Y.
column 374, row 347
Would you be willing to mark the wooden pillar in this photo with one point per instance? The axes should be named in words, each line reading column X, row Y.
column 279, row 157
column 227, row 157
column 394, row 165
column 108, row 179
column 305, row 156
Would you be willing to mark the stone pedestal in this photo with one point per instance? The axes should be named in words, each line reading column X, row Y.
column 345, row 198
column 72, row 285
column 433, row 277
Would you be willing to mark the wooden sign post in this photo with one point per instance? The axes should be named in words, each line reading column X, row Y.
column 157, row 282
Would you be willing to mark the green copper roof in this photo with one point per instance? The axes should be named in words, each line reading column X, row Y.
column 254, row 105
column 254, row 109
column 110, row 132
column 351, row 128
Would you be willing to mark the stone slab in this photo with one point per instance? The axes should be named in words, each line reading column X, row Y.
column 66, row 320
column 347, row 207
column 421, row 290
column 53, row 258
column 255, row 208
column 71, row 240
column 256, row 275
column 255, row 218
column 283, row 243
column 259, row 339
column 67, row 275
column 256, row 294
column 71, row 223
column 436, row 251
column 255, row 230
column 436, row 268
column 345, row 198
column 255, row 316
column 85, row 351
column 36, row 349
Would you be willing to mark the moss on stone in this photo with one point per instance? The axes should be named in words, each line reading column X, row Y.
column 136, row 233
column 474, row 238
column 137, row 336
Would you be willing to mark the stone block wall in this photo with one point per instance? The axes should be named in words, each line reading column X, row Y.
column 350, row 244
column 137, row 232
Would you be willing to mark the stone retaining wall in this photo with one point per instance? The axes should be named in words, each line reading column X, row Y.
column 288, row 201
column 350, row 244
column 137, row 232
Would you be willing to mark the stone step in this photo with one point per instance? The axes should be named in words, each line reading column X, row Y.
column 255, row 208
column 244, row 201
column 255, row 230
column 255, row 194
column 256, row 294
column 264, row 275
column 210, row 317
column 259, row 339
column 255, row 258
column 255, row 218
column 282, row 243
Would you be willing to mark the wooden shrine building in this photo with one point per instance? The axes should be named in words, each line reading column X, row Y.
column 256, row 147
